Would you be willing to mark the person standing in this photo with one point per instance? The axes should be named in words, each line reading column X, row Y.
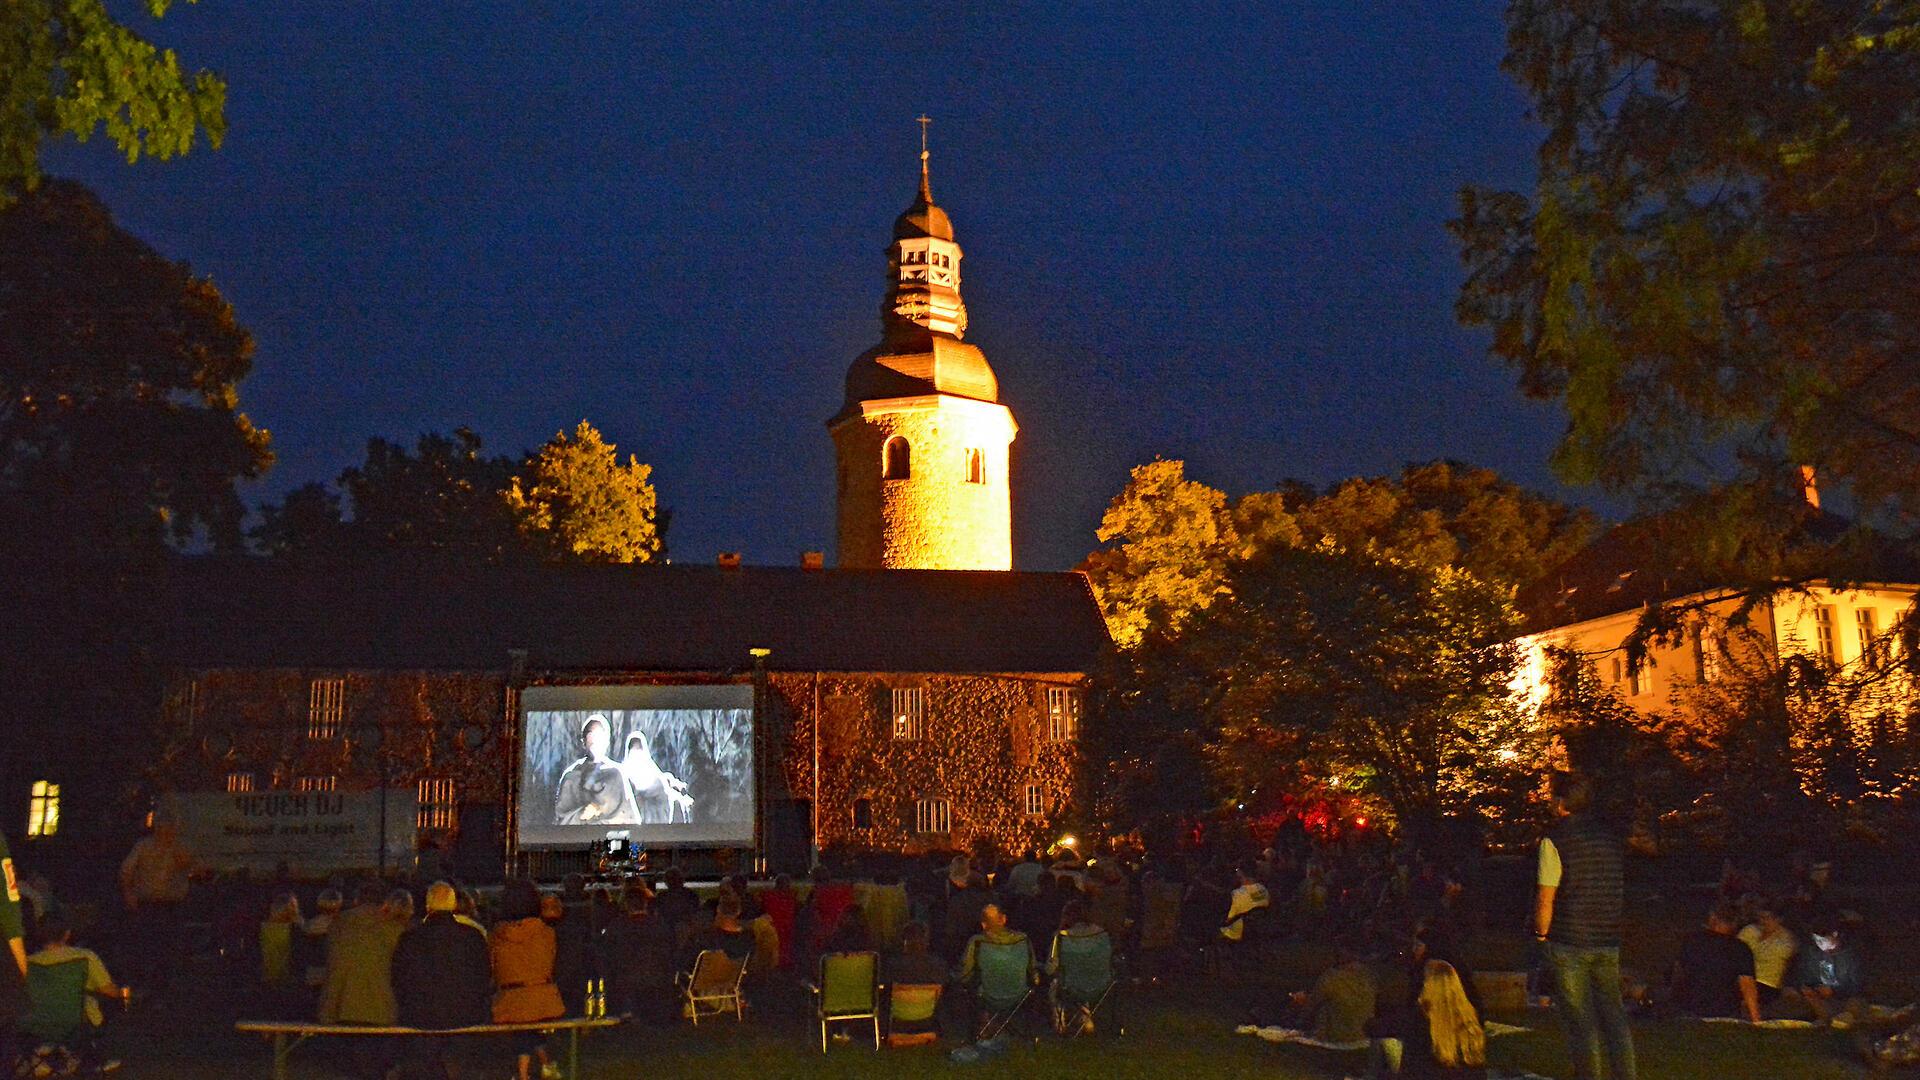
column 13, row 966
column 154, row 880
column 1576, row 920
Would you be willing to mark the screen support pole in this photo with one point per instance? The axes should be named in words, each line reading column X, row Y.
column 760, row 763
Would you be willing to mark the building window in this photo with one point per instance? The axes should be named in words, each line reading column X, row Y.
column 1863, row 621
column 1823, row 626
column 439, row 807
column 896, row 460
column 1035, row 803
column 1619, row 672
column 326, row 708
column 1640, row 678
column 909, row 713
column 863, row 814
column 933, row 816
column 1063, row 712
column 316, row 783
column 239, row 783
column 1706, row 655
column 43, row 810
column 976, row 466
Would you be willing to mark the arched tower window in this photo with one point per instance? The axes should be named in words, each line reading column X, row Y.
column 976, row 466
column 896, row 461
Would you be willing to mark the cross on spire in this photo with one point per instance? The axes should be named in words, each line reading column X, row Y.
column 926, row 187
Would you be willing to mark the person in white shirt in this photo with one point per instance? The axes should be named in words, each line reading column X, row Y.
column 1773, row 947
column 1249, row 895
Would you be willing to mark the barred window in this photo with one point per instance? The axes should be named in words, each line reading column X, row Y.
column 909, row 713
column 439, row 805
column 43, row 810
column 1063, row 712
column 239, row 783
column 316, row 783
column 326, row 708
column 1036, row 802
column 933, row 816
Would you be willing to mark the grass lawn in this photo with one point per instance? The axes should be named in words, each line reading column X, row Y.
column 1180, row 1036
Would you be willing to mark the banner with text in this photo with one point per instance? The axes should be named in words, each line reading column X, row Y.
column 313, row 832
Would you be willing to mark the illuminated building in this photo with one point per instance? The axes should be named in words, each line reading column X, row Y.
column 922, row 440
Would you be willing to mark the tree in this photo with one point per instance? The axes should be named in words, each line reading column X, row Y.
column 1372, row 674
column 445, row 497
column 576, row 502
column 120, row 426
column 1713, row 272
column 67, row 67
column 1172, row 537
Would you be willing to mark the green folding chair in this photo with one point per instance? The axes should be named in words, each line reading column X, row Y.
column 849, row 989
column 911, row 1008
column 56, row 1001
column 1083, row 979
column 1005, row 972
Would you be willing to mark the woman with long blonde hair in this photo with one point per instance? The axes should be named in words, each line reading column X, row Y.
column 1459, row 1043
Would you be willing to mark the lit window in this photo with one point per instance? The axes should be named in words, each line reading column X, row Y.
column 1706, row 655
column 1863, row 621
column 1063, row 712
column 316, row 783
column 976, row 467
column 1036, row 803
column 326, row 707
column 239, row 783
column 863, row 814
column 896, row 460
column 43, row 809
column 1641, row 678
column 909, row 713
column 439, row 808
column 933, row 816
column 1823, row 626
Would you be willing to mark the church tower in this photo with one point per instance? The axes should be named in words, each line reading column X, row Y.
column 922, row 439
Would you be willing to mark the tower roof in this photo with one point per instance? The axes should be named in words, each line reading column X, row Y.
column 923, row 218
column 913, row 364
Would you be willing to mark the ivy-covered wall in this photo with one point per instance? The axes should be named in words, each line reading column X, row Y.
column 983, row 739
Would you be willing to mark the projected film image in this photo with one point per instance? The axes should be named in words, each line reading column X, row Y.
column 673, row 769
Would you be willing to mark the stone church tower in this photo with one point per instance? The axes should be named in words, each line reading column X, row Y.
column 922, row 439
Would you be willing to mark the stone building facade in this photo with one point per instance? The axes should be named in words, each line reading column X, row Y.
column 903, row 711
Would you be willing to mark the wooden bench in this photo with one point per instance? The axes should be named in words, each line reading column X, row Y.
column 289, row 1034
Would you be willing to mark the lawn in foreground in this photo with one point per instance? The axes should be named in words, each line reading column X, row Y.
column 1188, row 1038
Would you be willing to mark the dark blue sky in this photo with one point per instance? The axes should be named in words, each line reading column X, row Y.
column 1214, row 234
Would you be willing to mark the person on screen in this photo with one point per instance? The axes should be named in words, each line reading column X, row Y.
column 594, row 790
column 659, row 797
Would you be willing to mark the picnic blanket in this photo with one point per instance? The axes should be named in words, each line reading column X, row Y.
column 1776, row 1025
column 1277, row 1034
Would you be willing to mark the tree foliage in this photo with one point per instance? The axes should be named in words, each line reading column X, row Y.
column 120, row 426
column 1713, row 272
column 569, row 501
column 1295, row 641
column 68, row 67
column 575, row 500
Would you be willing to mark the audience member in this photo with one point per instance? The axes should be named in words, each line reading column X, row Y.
column 967, row 894
column 993, row 930
column 914, row 965
column 1580, row 891
column 13, row 967
column 314, row 934
column 57, row 947
column 1023, row 878
column 360, row 944
column 1436, row 1037
column 1342, row 1000
column 827, row 904
column 677, row 904
column 782, row 907
column 442, row 978
column 521, row 949
column 1714, row 974
column 1772, row 945
column 1248, row 896
column 279, row 933
column 726, row 933
column 1828, row 976
column 639, row 949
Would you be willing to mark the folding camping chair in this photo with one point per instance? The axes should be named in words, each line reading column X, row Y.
column 849, row 989
column 1082, row 967
column 911, row 1012
column 56, row 1003
column 1005, row 971
column 713, row 986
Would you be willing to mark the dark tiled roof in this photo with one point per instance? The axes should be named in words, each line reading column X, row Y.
column 246, row 613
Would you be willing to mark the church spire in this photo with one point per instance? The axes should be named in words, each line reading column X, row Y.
column 926, row 186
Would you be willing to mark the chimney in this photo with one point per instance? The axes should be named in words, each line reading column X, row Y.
column 1809, row 486
column 729, row 560
column 813, row 560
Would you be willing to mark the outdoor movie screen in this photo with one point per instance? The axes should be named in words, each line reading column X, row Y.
column 662, row 764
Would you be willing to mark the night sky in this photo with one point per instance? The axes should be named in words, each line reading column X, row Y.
column 1208, row 234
